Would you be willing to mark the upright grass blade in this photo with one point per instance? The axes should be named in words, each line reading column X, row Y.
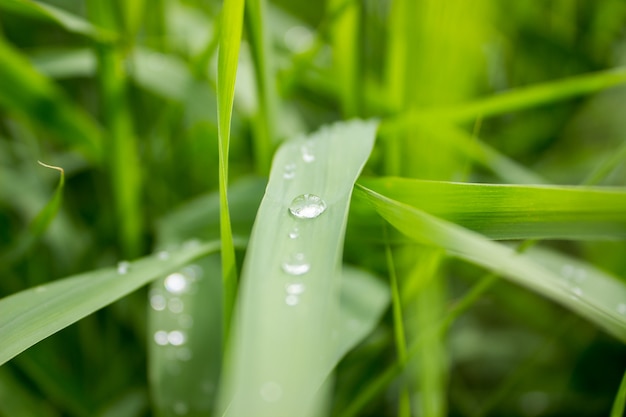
column 517, row 99
column 262, row 52
column 289, row 299
column 620, row 400
column 66, row 20
column 599, row 300
column 39, row 224
column 122, row 152
column 230, row 40
column 35, row 98
column 515, row 211
column 32, row 315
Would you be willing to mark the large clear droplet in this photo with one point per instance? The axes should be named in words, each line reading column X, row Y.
column 307, row 206
column 176, row 283
column 296, row 264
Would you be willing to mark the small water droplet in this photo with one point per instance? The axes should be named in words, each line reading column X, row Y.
column 621, row 308
column 160, row 337
column 271, row 392
column 176, row 283
column 158, row 302
column 181, row 408
column 176, row 338
column 295, row 288
column 192, row 244
column 577, row 291
column 307, row 206
column 163, row 255
column 307, row 152
column 41, row 288
column 123, row 267
column 176, row 305
column 294, row 233
column 296, row 264
column 289, row 172
column 292, row 300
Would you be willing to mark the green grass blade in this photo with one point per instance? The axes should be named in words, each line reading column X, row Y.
column 262, row 52
column 600, row 301
column 514, row 211
column 64, row 63
column 290, row 282
column 184, row 339
column 32, row 315
column 66, row 20
column 39, row 224
column 230, row 40
column 620, row 400
column 27, row 93
column 517, row 99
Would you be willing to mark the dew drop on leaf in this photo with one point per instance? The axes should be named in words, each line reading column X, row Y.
column 307, row 206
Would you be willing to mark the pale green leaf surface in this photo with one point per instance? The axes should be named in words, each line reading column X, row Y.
column 601, row 305
column 64, row 63
column 279, row 357
column 66, row 20
column 515, row 211
column 34, row 314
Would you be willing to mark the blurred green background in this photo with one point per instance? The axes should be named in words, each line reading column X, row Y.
column 122, row 95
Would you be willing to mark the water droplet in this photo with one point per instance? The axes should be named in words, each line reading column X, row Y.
column 176, row 338
column 160, row 337
column 41, row 288
column 307, row 206
column 295, row 288
column 192, row 244
column 123, row 267
column 163, row 255
column 294, row 233
column 296, row 264
column 271, row 392
column 175, row 305
column 307, row 152
column 176, row 283
column 158, row 302
column 621, row 308
column 292, row 300
column 577, row 291
column 289, row 172
column 181, row 408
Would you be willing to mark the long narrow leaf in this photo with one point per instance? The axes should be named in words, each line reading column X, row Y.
column 290, row 284
column 600, row 301
column 32, row 315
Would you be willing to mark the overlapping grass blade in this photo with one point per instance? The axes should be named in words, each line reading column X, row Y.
column 32, row 315
column 515, row 211
column 50, row 13
column 289, row 297
column 230, row 40
column 39, row 224
column 27, row 93
column 517, row 99
column 601, row 302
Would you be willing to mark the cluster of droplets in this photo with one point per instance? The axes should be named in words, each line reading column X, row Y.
column 168, row 298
